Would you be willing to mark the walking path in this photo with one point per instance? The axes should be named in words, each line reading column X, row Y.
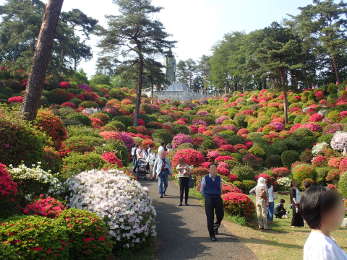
column 182, row 231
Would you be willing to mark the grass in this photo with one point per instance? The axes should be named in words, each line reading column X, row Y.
column 281, row 242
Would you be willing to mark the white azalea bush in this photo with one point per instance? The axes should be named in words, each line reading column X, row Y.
column 318, row 148
column 34, row 181
column 122, row 202
column 284, row 182
column 339, row 141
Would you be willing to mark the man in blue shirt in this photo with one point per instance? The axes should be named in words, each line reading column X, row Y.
column 211, row 188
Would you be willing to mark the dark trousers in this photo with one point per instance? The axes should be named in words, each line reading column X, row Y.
column 213, row 205
column 184, row 188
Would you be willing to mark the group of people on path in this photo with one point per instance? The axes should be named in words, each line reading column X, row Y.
column 320, row 207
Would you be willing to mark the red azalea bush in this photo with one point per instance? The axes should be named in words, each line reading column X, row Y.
column 47, row 207
column 227, row 147
column 224, row 158
column 223, row 170
column 280, row 172
column 343, row 165
column 226, row 188
column 239, row 204
column 17, row 99
column 318, row 161
column 334, row 162
column 52, row 125
column 112, row 158
column 7, row 186
column 190, row 156
column 232, row 177
column 316, row 117
column 267, row 177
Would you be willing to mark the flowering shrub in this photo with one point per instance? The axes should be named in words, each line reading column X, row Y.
column 334, row 162
column 280, row 172
column 190, row 156
column 35, row 181
column 318, row 161
column 303, row 171
column 221, row 119
column 47, row 207
column 339, row 141
column 239, row 204
column 122, row 136
column 110, row 157
column 17, row 99
column 285, row 182
column 226, row 188
column 8, row 188
column 343, row 165
column 181, row 139
column 319, row 148
column 52, row 125
column 88, row 234
column 316, row 117
column 121, row 201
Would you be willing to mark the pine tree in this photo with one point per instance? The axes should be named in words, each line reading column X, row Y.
column 135, row 36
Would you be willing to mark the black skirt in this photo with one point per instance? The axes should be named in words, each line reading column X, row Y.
column 297, row 220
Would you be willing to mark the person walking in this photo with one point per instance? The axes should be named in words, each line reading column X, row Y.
column 271, row 200
column 184, row 174
column 295, row 197
column 151, row 158
column 261, row 195
column 161, row 148
column 211, row 188
column 162, row 170
column 133, row 153
column 323, row 211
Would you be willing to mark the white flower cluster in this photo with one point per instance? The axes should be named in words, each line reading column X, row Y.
column 284, row 181
column 25, row 175
column 90, row 110
column 123, row 203
column 339, row 141
column 318, row 148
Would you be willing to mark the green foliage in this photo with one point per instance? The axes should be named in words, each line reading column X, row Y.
column 243, row 172
column 81, row 226
column 114, row 126
column 247, row 185
column 83, row 144
column 20, row 141
column 162, row 135
column 343, row 184
column 288, row 157
column 36, row 238
column 77, row 119
column 75, row 163
column 118, row 148
column 177, row 129
column 302, row 172
column 82, row 131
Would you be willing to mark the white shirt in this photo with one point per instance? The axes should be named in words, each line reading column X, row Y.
column 270, row 193
column 321, row 247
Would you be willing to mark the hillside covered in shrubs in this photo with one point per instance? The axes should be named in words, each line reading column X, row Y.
column 82, row 138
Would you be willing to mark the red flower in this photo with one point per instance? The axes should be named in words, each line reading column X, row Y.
column 112, row 158
column 37, row 249
column 47, row 207
column 64, row 84
column 17, row 99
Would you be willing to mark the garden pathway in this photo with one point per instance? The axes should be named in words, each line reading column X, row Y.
column 182, row 232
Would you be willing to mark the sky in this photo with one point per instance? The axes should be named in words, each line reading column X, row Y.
column 196, row 25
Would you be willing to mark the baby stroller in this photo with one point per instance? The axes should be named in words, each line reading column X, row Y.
column 141, row 169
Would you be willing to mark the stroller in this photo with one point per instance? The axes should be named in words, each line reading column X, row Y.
column 141, row 169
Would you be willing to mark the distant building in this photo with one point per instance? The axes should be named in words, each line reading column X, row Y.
column 175, row 90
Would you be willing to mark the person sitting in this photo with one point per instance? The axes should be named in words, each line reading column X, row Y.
column 280, row 211
column 323, row 211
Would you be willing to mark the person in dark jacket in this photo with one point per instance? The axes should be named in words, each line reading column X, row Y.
column 211, row 188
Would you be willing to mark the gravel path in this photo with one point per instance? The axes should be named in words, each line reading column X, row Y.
column 182, row 231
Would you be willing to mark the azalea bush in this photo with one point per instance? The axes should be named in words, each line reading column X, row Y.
column 239, row 204
column 122, row 202
column 88, row 234
column 35, row 181
column 190, row 156
column 8, row 192
column 339, row 141
column 47, row 207
column 181, row 139
column 343, row 184
column 34, row 237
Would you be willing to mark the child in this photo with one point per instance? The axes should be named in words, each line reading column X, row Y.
column 280, row 211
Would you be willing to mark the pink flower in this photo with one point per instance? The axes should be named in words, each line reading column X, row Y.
column 316, row 117
column 181, row 139
column 111, row 157
column 17, row 99
column 64, row 84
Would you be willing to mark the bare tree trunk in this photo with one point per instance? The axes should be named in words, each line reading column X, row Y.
column 139, row 91
column 152, row 93
column 41, row 59
column 335, row 69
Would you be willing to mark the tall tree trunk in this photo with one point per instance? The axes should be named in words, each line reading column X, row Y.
column 139, row 90
column 152, row 93
column 335, row 69
column 42, row 56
